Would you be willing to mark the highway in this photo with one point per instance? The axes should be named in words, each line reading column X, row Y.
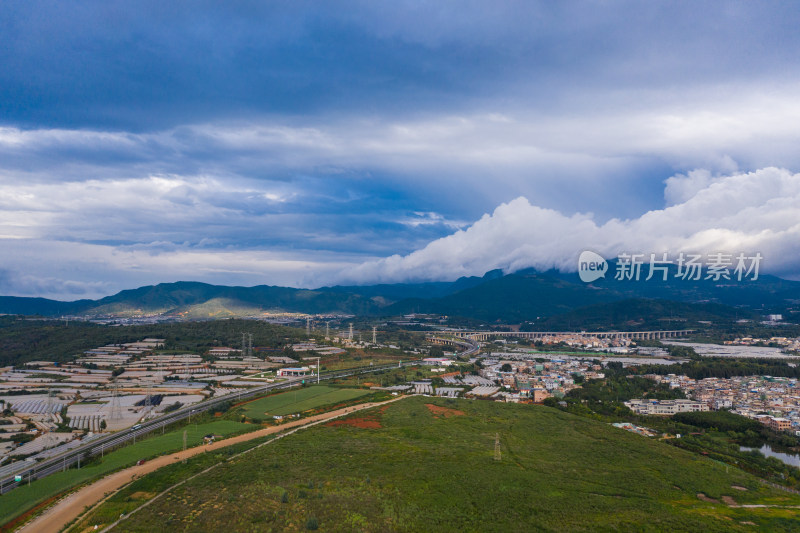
column 469, row 345
column 108, row 442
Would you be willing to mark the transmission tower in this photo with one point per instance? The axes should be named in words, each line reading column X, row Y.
column 49, row 408
column 351, row 331
column 308, row 326
column 374, row 335
column 250, row 345
column 116, row 408
column 327, row 329
column 148, row 400
column 244, row 344
column 497, row 455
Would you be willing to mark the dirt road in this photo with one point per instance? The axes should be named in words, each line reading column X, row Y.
column 64, row 511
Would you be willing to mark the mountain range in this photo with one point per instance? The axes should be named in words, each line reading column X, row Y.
column 523, row 296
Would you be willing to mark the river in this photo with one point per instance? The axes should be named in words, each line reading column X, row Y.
column 791, row 459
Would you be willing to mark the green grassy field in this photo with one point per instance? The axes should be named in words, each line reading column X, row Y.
column 362, row 360
column 422, row 471
column 26, row 497
column 299, row 400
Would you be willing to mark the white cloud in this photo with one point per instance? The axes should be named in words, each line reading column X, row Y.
column 743, row 212
column 747, row 212
column 486, row 155
column 83, row 270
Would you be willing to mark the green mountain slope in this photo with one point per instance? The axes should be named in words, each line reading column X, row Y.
column 515, row 297
column 425, row 464
column 526, row 295
column 642, row 314
column 201, row 300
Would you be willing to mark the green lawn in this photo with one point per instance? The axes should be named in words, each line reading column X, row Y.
column 299, row 400
column 26, row 497
column 422, row 472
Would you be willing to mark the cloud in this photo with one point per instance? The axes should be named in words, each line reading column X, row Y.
column 741, row 213
column 346, row 131
column 144, row 65
column 89, row 270
column 458, row 165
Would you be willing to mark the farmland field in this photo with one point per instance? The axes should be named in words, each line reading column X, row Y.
column 299, row 400
column 424, row 464
column 27, row 496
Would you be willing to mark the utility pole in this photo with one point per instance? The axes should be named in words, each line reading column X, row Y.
column 319, row 369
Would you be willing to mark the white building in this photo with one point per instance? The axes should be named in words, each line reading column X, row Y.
column 294, row 372
column 665, row 407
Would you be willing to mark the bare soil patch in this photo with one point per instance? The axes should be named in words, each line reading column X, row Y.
column 364, row 423
column 446, row 412
column 703, row 497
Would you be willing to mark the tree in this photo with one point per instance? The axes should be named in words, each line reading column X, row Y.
column 103, row 424
column 437, row 351
column 506, row 368
column 550, row 402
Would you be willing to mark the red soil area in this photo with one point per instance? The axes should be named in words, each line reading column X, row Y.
column 364, row 423
column 443, row 411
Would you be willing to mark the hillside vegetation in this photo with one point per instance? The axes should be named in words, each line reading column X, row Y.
column 425, row 464
column 52, row 340
column 523, row 296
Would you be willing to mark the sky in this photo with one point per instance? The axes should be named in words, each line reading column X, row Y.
column 313, row 143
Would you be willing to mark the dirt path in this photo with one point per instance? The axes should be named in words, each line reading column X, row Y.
column 66, row 510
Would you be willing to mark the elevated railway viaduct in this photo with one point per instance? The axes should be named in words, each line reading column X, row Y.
column 538, row 335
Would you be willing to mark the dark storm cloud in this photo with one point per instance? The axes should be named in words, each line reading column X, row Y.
column 153, row 65
column 229, row 141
